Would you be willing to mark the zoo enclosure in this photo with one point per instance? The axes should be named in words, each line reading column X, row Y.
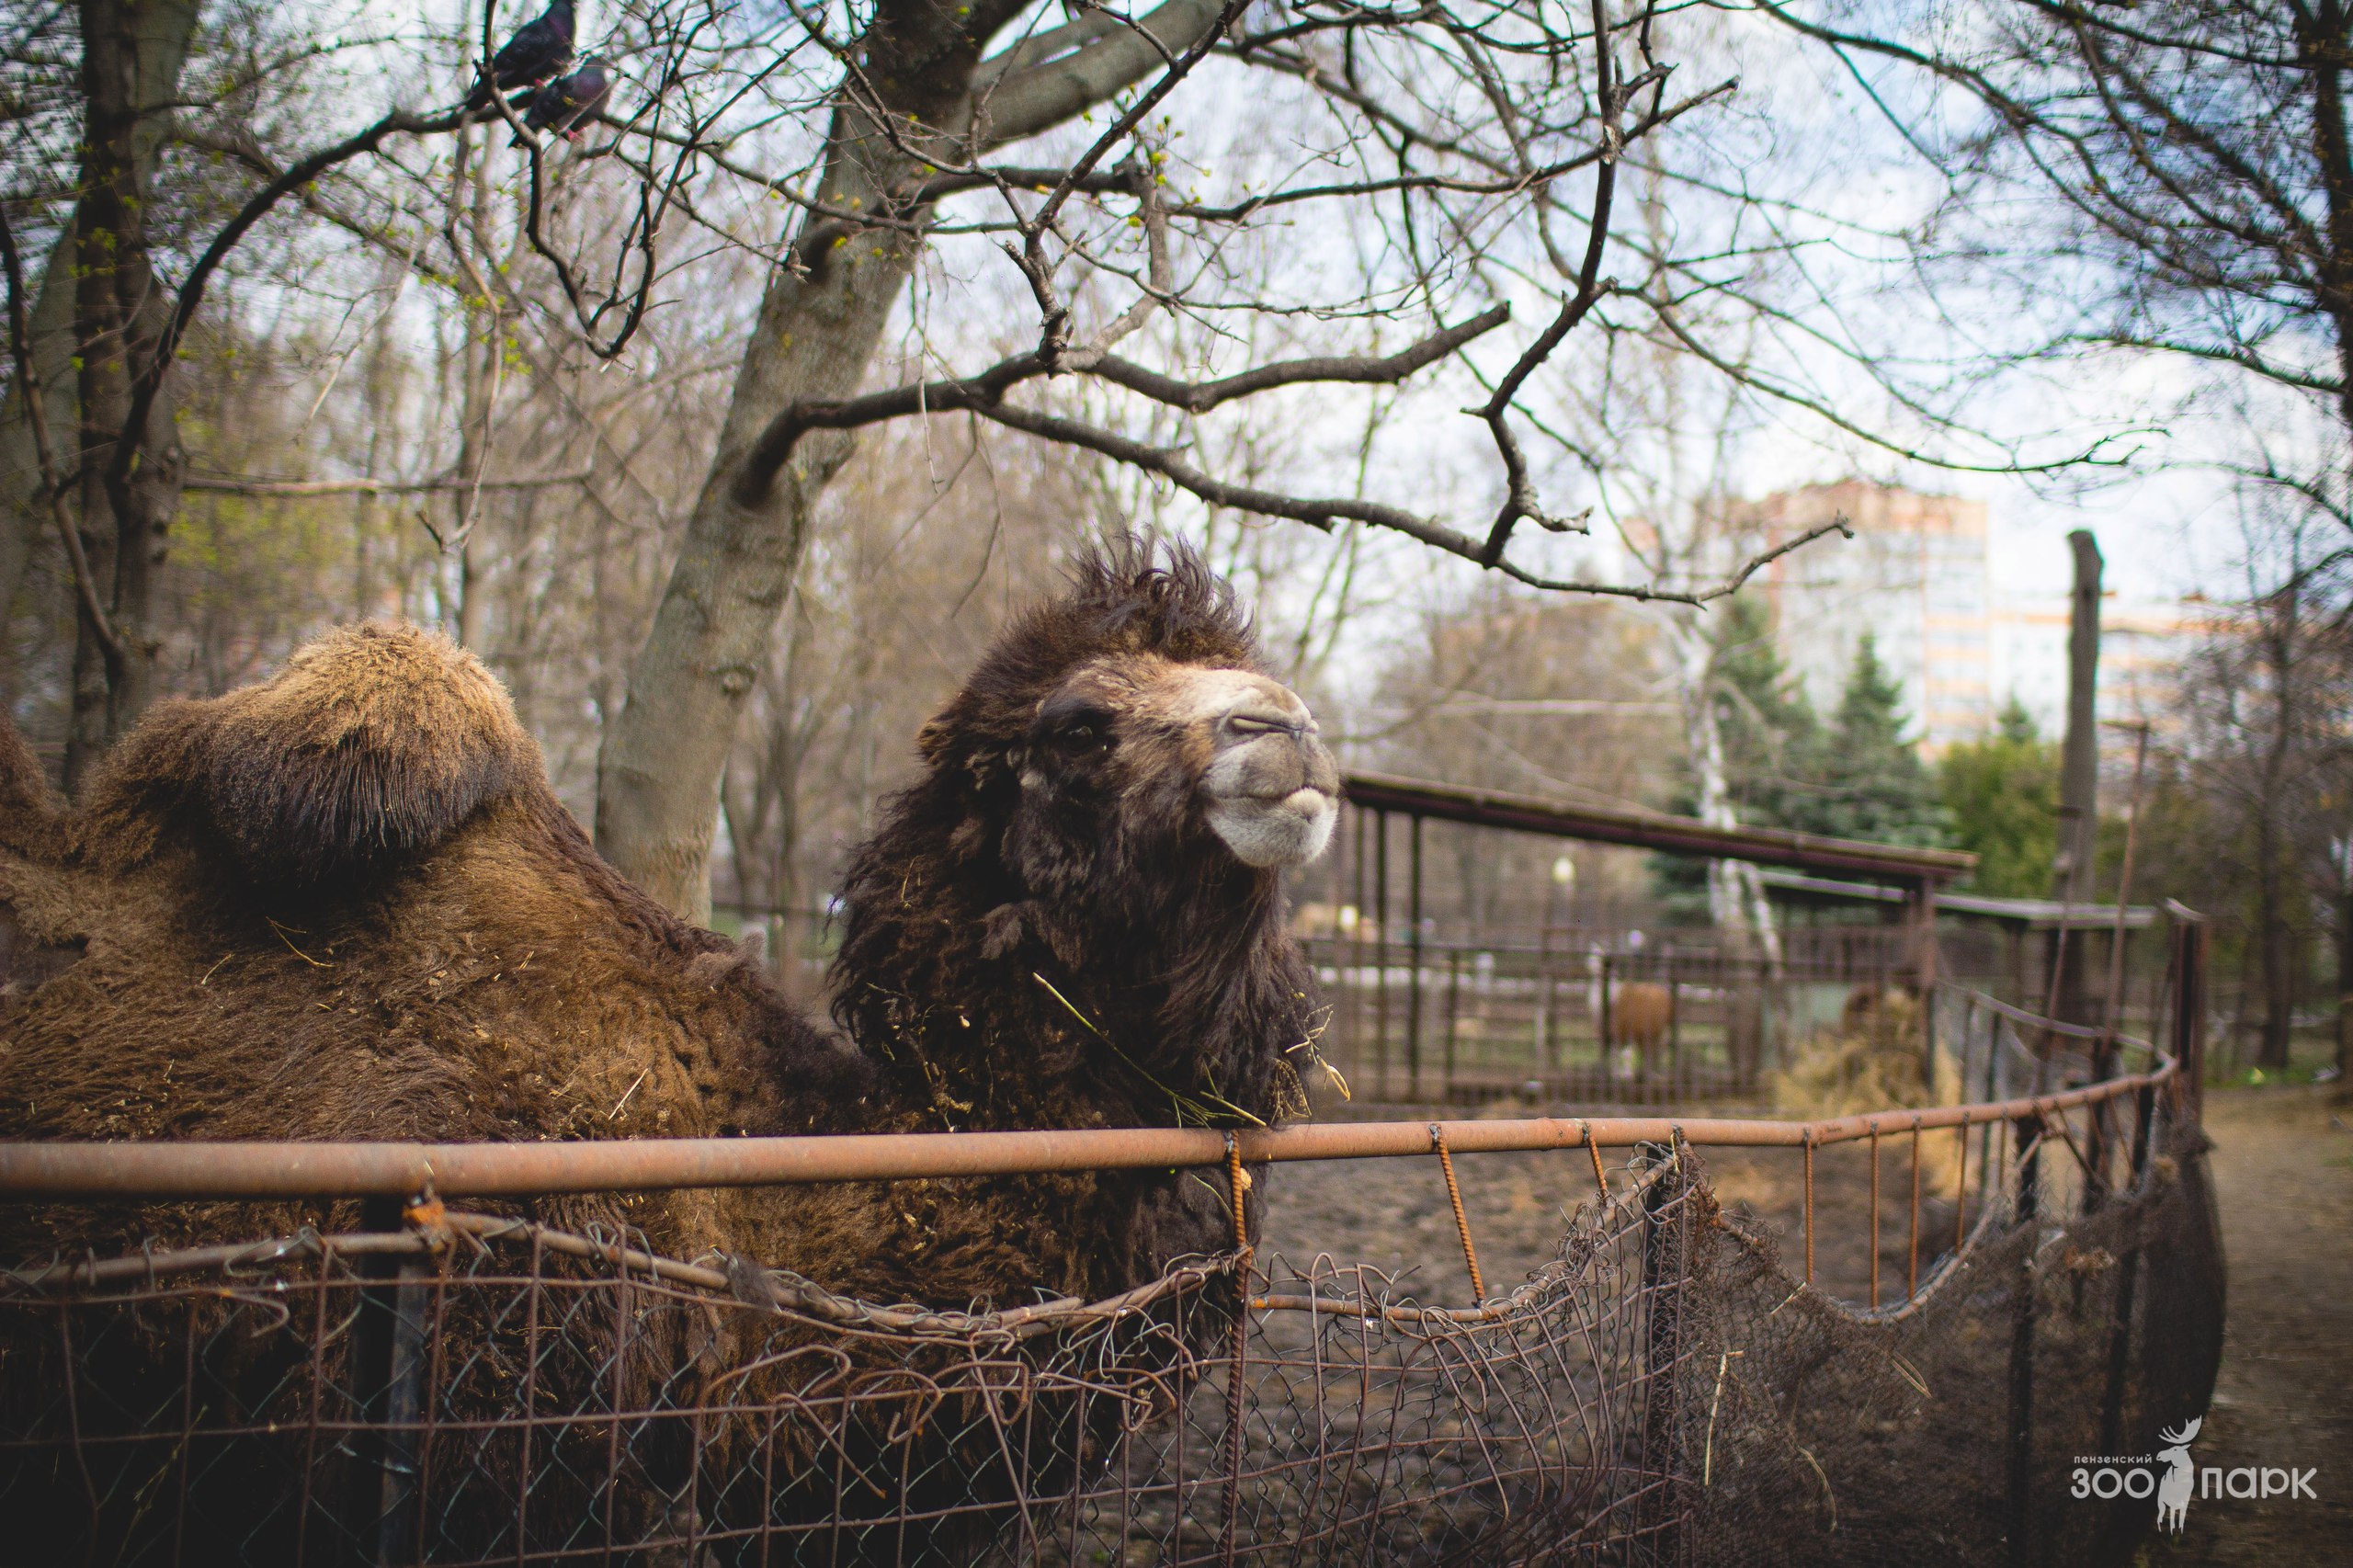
column 453, row 1387
column 1463, row 1015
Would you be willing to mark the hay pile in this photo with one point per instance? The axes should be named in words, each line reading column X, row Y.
column 1872, row 1062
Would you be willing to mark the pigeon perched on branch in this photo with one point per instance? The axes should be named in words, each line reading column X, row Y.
column 539, row 49
column 563, row 103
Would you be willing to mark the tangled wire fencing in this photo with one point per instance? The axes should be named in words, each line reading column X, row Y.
column 462, row 1388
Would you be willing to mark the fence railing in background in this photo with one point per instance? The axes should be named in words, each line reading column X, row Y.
column 1590, row 1014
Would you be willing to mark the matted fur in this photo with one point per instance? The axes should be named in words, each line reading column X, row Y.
column 345, row 905
column 1036, row 936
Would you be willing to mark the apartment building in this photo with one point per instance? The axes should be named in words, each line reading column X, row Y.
column 1917, row 578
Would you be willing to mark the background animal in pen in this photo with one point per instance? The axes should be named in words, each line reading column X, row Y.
column 1641, row 1014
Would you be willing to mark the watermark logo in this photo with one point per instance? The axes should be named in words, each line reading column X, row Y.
column 2173, row 1489
column 2170, row 1477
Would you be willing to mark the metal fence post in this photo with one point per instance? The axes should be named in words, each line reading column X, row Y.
column 1380, row 953
column 1453, row 1014
column 387, row 1363
column 1413, row 980
column 2028, row 1131
column 1609, row 1012
column 1665, row 1267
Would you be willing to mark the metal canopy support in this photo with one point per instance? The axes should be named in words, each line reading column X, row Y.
column 1414, row 980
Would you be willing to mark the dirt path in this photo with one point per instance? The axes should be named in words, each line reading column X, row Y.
column 2283, row 1167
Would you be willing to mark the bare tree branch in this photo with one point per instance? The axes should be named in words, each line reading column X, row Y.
column 774, row 447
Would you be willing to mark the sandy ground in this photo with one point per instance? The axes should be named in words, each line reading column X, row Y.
column 2283, row 1166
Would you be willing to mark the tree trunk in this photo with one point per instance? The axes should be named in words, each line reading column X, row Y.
column 657, row 773
column 658, row 770
column 25, row 526
column 140, row 49
column 1736, row 902
column 131, row 54
column 2345, row 986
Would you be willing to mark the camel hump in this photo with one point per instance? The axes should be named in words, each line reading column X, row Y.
column 372, row 745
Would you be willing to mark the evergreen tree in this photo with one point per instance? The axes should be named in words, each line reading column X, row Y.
column 1769, row 729
column 2002, row 794
column 1867, row 780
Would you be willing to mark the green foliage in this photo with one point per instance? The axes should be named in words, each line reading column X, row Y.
column 2001, row 795
column 1866, row 779
column 1770, row 732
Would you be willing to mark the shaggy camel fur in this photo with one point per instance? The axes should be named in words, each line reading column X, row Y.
column 1073, row 917
column 345, row 905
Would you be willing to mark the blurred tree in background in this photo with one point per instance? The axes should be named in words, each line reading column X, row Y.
column 2001, row 794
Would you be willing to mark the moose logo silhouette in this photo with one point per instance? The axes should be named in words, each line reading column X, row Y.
column 2174, row 1486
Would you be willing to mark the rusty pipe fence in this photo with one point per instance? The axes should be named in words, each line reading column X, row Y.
column 452, row 1387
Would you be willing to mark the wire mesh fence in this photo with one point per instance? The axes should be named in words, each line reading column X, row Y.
column 460, row 1387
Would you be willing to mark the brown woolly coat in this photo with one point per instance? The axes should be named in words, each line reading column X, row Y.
column 345, row 905
column 1042, row 931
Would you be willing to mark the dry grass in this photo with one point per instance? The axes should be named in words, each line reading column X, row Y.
column 1871, row 1062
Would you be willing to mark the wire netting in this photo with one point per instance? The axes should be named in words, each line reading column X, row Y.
column 477, row 1390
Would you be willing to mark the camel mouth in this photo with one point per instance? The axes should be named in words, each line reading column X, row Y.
column 1275, row 833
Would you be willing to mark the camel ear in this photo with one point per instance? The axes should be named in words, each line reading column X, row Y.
column 370, row 748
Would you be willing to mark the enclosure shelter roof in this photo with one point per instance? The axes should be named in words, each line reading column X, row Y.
column 1652, row 830
column 2029, row 914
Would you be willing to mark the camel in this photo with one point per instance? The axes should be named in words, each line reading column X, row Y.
column 344, row 904
column 1073, row 917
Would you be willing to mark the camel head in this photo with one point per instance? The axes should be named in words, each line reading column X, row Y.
column 1176, row 745
column 1126, row 729
column 1091, row 852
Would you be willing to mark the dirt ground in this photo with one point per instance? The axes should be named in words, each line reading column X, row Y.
column 1394, row 1214
column 2283, row 1169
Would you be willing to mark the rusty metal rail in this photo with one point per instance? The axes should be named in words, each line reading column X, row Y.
column 257, row 1170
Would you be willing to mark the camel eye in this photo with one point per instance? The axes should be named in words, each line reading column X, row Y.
column 1076, row 727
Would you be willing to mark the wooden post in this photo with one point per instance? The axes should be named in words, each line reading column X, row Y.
column 1667, row 1266
column 2188, row 1043
column 2071, row 880
column 1924, row 972
column 2345, row 985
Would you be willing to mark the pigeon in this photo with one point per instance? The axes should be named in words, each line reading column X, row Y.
column 563, row 103
column 539, row 49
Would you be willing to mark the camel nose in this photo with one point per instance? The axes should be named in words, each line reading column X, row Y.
column 1273, row 789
